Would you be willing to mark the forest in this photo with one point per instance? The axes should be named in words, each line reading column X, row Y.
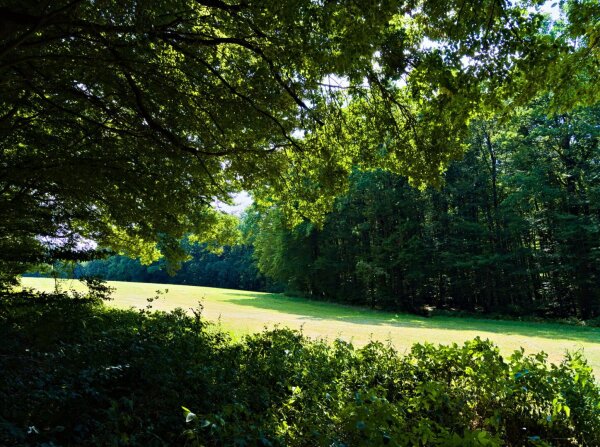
column 414, row 156
column 513, row 230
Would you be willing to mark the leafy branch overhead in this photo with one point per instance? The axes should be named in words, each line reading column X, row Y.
column 124, row 120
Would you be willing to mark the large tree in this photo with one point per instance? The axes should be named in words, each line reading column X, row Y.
column 122, row 121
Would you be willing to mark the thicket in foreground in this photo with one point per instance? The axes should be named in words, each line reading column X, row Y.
column 77, row 373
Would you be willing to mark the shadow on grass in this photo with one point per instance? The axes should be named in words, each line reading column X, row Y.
column 320, row 311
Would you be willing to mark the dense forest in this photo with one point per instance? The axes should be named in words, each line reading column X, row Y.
column 515, row 229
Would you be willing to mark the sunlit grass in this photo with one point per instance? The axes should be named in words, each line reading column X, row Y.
column 241, row 312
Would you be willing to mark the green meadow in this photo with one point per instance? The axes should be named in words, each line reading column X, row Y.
column 243, row 312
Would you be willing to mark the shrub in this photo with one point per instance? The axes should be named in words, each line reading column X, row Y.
column 75, row 372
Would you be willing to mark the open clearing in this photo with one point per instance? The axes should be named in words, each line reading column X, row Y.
column 242, row 312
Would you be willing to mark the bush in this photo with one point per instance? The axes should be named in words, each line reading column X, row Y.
column 77, row 373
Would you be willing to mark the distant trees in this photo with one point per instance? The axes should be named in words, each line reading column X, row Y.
column 232, row 268
column 515, row 228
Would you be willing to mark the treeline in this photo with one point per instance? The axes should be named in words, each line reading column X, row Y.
column 233, row 268
column 514, row 230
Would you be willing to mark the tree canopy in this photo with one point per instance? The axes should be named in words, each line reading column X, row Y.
column 514, row 230
column 122, row 121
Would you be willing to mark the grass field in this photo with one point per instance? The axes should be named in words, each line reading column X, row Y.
column 241, row 312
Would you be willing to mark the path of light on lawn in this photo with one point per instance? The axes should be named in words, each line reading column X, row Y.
column 242, row 312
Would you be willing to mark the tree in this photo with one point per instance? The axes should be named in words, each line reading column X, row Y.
column 122, row 121
column 555, row 184
column 514, row 229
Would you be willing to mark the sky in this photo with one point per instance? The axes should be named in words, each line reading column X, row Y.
column 242, row 200
column 551, row 7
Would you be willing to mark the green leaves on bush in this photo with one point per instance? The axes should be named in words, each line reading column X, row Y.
column 83, row 374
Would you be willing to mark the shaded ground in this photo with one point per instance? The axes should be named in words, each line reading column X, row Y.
column 242, row 312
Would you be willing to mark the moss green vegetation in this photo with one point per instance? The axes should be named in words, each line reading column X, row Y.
column 78, row 373
column 242, row 312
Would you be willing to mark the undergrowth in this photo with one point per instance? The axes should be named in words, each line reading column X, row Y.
column 78, row 373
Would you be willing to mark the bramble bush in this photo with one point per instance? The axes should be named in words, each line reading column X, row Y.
column 78, row 373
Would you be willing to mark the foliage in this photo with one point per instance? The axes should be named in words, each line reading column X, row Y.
column 514, row 229
column 122, row 122
column 78, row 373
column 232, row 267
